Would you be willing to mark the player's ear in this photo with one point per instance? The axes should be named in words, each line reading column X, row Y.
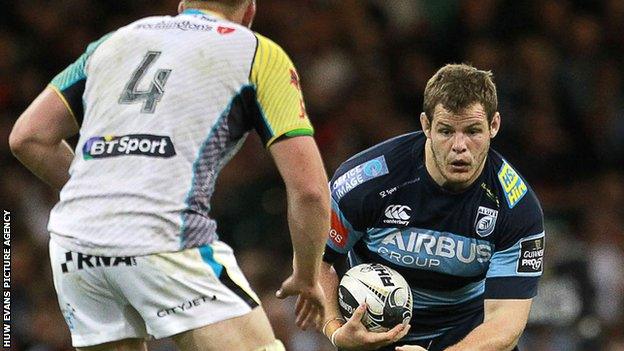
column 425, row 124
column 181, row 7
column 250, row 14
column 495, row 125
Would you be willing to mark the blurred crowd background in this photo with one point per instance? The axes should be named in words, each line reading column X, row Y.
column 559, row 69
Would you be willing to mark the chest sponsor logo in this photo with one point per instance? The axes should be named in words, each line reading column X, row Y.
column 432, row 249
column 485, row 221
column 397, row 214
column 125, row 145
column 513, row 186
column 391, row 191
column 531, row 256
column 357, row 175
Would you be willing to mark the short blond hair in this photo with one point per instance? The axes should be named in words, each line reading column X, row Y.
column 458, row 86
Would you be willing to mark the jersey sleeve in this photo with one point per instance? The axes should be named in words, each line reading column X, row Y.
column 517, row 261
column 349, row 219
column 342, row 236
column 70, row 83
column 280, row 105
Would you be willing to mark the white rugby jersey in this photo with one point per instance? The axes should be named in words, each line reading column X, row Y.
column 163, row 104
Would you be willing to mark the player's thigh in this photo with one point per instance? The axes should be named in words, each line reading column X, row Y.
column 251, row 331
column 121, row 345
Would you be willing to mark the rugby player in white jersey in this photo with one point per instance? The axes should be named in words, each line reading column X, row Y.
column 161, row 105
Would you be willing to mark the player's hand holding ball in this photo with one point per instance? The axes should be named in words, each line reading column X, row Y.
column 353, row 335
column 378, row 304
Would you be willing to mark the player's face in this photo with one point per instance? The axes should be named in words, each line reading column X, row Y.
column 458, row 144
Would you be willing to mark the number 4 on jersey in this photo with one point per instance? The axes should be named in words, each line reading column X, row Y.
column 154, row 93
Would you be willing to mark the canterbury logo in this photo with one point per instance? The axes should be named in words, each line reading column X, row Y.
column 398, row 212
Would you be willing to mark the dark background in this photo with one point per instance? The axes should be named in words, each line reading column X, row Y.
column 363, row 66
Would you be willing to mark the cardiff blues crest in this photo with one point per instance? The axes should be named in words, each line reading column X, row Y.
column 485, row 221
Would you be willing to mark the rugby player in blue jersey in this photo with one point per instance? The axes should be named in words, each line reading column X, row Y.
column 448, row 213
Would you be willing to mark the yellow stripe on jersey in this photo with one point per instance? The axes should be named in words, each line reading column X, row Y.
column 278, row 93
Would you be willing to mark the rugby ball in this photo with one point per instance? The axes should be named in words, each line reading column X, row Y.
column 386, row 293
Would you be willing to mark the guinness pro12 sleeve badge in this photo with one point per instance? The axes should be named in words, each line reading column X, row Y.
column 531, row 255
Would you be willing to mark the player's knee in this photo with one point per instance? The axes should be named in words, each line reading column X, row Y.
column 274, row 346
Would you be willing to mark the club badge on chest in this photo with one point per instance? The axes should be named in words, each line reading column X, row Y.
column 485, row 221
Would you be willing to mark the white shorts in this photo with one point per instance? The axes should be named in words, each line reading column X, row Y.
column 105, row 299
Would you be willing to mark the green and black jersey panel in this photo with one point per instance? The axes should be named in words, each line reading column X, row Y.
column 70, row 83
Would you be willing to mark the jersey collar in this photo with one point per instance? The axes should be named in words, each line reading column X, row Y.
column 202, row 12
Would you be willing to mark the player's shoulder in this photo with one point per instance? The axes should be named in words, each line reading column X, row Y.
column 269, row 54
column 363, row 172
column 518, row 199
column 267, row 43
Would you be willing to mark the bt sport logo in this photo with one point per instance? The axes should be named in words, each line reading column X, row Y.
column 132, row 144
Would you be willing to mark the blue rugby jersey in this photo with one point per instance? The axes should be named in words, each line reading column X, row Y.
column 454, row 249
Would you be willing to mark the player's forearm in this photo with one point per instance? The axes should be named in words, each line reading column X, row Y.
column 489, row 336
column 309, row 224
column 48, row 162
column 329, row 282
